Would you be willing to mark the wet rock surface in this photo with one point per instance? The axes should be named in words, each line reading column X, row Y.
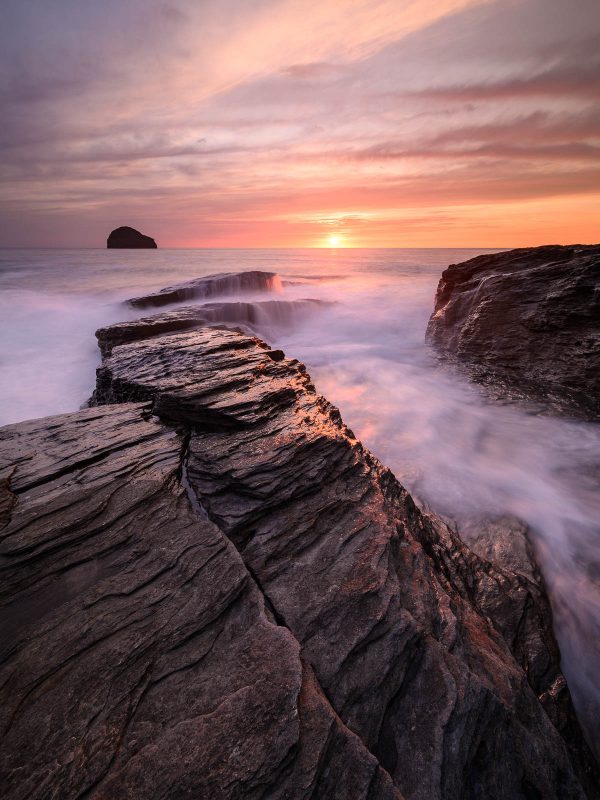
column 210, row 286
column 527, row 322
column 127, row 238
column 138, row 659
column 213, row 590
column 504, row 541
column 264, row 314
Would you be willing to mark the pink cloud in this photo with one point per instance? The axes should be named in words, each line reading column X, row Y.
column 260, row 122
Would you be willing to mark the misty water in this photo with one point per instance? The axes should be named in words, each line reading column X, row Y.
column 463, row 454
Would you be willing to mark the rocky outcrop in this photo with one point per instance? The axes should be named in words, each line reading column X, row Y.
column 138, row 659
column 526, row 322
column 265, row 314
column 127, row 238
column 210, row 286
column 213, row 590
column 345, row 559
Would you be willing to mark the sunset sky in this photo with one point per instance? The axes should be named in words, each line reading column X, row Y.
column 283, row 122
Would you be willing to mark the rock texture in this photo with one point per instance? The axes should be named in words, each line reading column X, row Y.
column 138, row 659
column 504, row 541
column 210, row 286
column 214, row 591
column 263, row 314
column 127, row 238
column 527, row 322
column 368, row 585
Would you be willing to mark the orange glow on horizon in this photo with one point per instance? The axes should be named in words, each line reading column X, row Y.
column 366, row 123
column 557, row 220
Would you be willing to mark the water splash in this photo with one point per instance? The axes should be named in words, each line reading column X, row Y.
column 231, row 283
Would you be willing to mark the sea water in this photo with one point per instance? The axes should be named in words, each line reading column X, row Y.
column 463, row 454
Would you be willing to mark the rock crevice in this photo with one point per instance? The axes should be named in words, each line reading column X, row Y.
column 317, row 521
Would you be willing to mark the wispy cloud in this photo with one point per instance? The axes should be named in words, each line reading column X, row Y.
column 242, row 120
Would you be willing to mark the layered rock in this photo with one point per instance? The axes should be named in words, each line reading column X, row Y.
column 240, row 601
column 400, row 621
column 278, row 314
column 210, row 286
column 138, row 659
column 527, row 322
column 127, row 238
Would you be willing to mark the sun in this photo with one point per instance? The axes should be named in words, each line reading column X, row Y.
column 334, row 240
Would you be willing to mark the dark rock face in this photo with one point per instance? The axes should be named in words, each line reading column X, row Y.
column 526, row 321
column 247, row 604
column 385, row 601
column 504, row 542
column 266, row 313
column 210, row 286
column 127, row 238
column 214, row 378
column 138, row 659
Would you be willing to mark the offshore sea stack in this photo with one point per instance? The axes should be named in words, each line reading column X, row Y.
column 211, row 589
column 526, row 322
column 127, row 238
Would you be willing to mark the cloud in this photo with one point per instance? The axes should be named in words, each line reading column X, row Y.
column 355, row 110
column 582, row 82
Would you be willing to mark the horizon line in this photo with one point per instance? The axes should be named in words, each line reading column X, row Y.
column 294, row 247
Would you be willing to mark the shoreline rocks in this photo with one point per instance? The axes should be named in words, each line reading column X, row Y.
column 210, row 286
column 213, row 589
column 527, row 323
column 138, row 659
column 126, row 238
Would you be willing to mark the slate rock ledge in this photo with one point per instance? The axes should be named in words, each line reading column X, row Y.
column 526, row 322
column 212, row 590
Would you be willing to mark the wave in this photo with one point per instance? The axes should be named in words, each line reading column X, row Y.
column 267, row 318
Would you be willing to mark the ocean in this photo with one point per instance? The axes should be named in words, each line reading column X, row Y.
column 462, row 454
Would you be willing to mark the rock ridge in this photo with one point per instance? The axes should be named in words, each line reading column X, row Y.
column 248, row 315
column 246, row 497
column 296, row 629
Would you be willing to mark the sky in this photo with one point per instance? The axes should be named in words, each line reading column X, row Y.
column 284, row 123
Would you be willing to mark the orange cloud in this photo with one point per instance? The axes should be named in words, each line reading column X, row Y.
column 235, row 124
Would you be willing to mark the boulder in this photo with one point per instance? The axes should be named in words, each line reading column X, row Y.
column 527, row 323
column 129, row 238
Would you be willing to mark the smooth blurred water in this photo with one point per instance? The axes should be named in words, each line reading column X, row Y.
column 52, row 301
column 461, row 453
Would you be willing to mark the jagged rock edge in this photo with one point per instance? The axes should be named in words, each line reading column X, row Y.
column 388, row 483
